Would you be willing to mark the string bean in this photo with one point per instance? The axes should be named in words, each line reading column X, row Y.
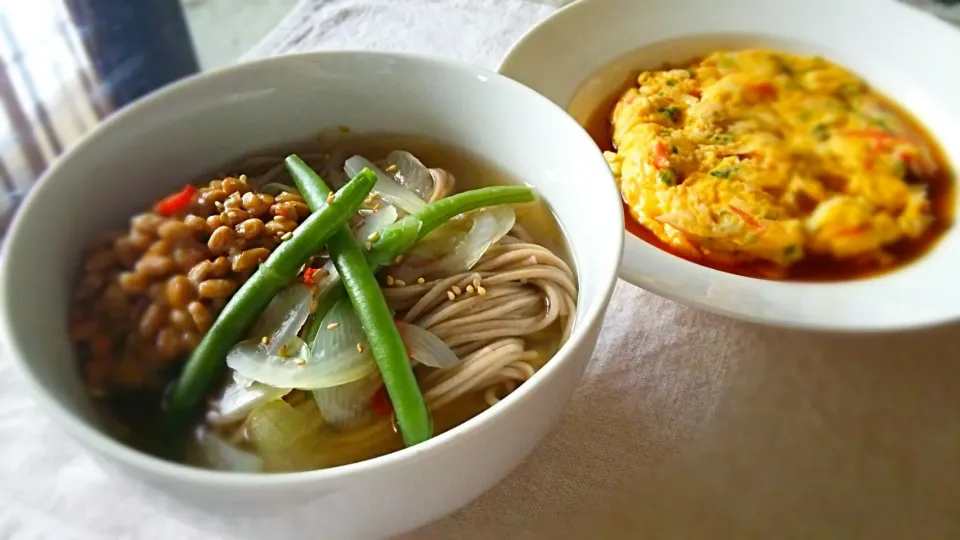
column 252, row 298
column 371, row 308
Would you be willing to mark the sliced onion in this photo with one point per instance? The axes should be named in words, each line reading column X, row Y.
column 376, row 222
column 276, row 188
column 251, row 359
column 348, row 406
column 340, row 354
column 457, row 245
column 240, row 397
column 389, row 190
column 283, row 317
column 221, row 455
column 411, row 173
column 287, row 437
column 425, row 347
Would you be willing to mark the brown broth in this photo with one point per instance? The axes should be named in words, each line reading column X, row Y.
column 941, row 189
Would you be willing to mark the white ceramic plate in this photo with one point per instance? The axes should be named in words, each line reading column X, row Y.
column 584, row 52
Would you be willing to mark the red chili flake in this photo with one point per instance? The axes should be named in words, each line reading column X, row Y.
column 308, row 276
column 176, row 203
column 381, row 402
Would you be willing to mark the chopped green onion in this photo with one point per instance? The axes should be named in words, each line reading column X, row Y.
column 667, row 176
column 726, row 172
column 821, row 132
column 672, row 113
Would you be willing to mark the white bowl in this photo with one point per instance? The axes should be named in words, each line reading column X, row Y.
column 158, row 144
column 584, row 52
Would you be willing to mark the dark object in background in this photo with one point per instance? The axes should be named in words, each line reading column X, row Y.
column 136, row 46
column 948, row 2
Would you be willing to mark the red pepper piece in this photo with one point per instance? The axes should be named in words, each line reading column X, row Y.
column 308, row 276
column 764, row 90
column 661, row 158
column 381, row 402
column 176, row 203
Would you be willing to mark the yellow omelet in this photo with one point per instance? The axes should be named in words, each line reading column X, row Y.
column 758, row 155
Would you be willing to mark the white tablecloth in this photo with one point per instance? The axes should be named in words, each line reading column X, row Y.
column 687, row 425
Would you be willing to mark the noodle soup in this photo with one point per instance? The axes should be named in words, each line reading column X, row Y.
column 481, row 302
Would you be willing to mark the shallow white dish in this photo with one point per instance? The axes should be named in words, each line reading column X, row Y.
column 158, row 144
column 583, row 53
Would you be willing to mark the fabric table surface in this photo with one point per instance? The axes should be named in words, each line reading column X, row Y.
column 686, row 425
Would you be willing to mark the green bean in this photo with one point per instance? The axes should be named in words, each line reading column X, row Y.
column 252, row 298
column 384, row 338
column 371, row 308
column 439, row 212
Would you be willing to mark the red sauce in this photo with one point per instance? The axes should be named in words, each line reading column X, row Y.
column 940, row 190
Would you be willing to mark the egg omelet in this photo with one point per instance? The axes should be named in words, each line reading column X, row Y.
column 757, row 155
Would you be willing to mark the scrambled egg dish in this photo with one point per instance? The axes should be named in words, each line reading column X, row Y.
column 761, row 156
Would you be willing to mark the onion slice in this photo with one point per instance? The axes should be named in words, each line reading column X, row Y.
column 348, row 406
column 388, row 189
column 411, row 173
column 221, row 455
column 425, row 347
column 283, row 317
column 457, row 245
column 376, row 222
column 341, row 353
column 240, row 397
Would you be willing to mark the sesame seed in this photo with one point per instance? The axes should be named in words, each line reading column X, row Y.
column 390, row 280
column 482, row 210
column 400, row 282
column 398, row 260
column 456, row 290
column 368, row 201
column 359, row 347
column 331, row 197
column 376, row 207
column 421, row 281
column 369, row 246
column 374, row 194
column 265, row 340
column 476, row 283
column 219, row 205
column 365, row 212
column 481, row 291
column 282, row 351
column 243, row 178
column 470, row 289
column 373, row 236
column 450, row 295
column 299, row 361
column 286, row 236
column 333, row 326
column 391, row 168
